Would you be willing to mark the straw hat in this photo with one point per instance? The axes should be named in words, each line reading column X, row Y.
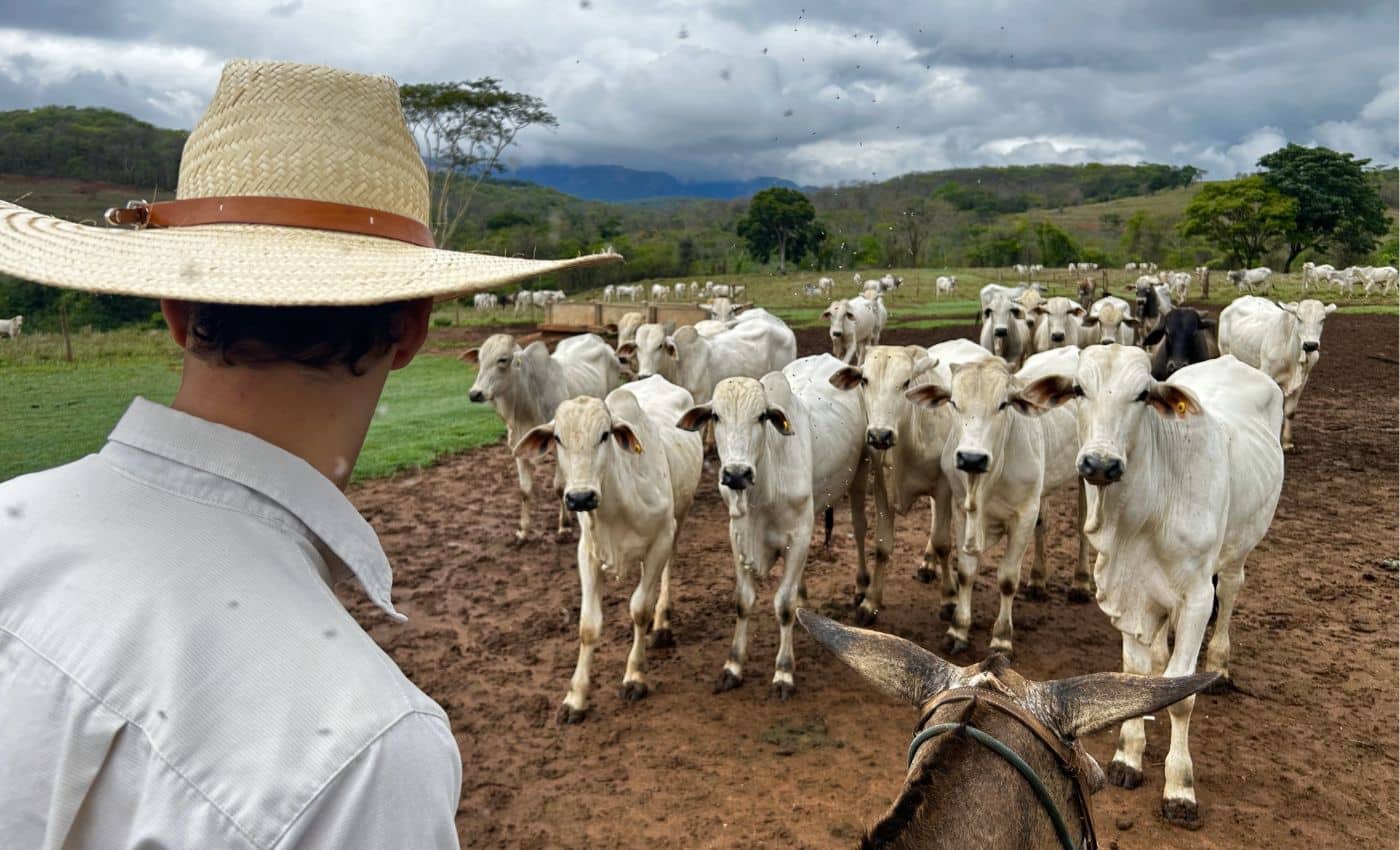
column 301, row 185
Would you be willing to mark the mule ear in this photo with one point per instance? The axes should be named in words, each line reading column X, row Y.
column 471, row 355
column 779, row 420
column 536, row 441
column 1172, row 401
column 627, row 438
column 695, row 418
column 1083, row 705
column 1051, row 391
column 846, row 378
column 896, row 666
column 1155, row 337
column 929, row 395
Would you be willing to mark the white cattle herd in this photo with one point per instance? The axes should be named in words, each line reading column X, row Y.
column 1175, row 454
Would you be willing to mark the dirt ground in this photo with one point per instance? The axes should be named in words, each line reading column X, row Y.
column 1303, row 755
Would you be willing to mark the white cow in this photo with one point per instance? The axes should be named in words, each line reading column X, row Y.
column 609, row 293
column 721, row 309
column 1381, row 277
column 756, row 345
column 1003, row 456
column 992, row 290
column 906, row 438
column 629, row 291
column 1130, row 267
column 882, row 314
column 11, row 327
column 484, row 302
column 1110, row 320
column 1315, row 273
column 1021, row 268
column 855, row 326
column 659, row 292
column 825, row 284
column 1058, row 323
column 1185, row 477
column 526, row 385
column 944, row 285
column 627, row 332
column 1250, row 278
column 790, row 444
column 679, row 290
column 1179, row 284
column 1004, row 330
column 631, row 475
column 1281, row 340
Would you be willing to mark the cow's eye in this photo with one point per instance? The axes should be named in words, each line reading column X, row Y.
column 1078, row 391
column 952, row 404
column 1003, row 405
column 906, row 384
column 1142, row 396
column 603, row 439
column 557, row 441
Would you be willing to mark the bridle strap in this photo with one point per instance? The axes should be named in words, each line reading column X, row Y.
column 1070, row 758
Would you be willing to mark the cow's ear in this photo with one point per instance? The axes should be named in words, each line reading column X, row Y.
column 1051, row 391
column 1090, row 321
column 625, row 437
column 779, row 420
column 695, row 418
column 1329, row 309
column 1130, row 321
column 536, row 441
column 847, row 378
column 1173, row 402
column 922, row 362
column 739, row 308
column 929, row 395
column 627, row 349
column 1039, row 310
column 1077, row 311
column 670, row 345
column 1155, row 337
column 471, row 355
column 827, row 313
column 1288, row 306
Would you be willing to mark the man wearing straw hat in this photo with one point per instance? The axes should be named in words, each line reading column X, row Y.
column 175, row 671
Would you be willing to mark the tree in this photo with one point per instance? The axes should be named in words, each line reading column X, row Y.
column 781, row 220
column 462, row 128
column 1337, row 206
column 1244, row 218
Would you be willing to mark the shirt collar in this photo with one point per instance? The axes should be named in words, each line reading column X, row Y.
column 270, row 471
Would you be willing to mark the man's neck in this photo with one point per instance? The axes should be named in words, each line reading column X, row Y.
column 321, row 417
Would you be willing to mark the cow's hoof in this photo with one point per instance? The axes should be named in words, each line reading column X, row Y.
column 1183, row 813
column 1079, row 595
column 1222, row 686
column 662, row 639
column 728, row 681
column 1035, row 593
column 570, row 716
column 954, row 645
column 565, row 536
column 865, row 617
column 635, row 691
column 946, row 612
column 859, row 598
column 1288, row 448
column 1002, row 649
column 1123, row 776
column 925, row 575
column 783, row 690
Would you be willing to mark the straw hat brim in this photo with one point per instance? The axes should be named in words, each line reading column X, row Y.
column 250, row 263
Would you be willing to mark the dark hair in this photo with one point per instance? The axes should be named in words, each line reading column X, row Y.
column 315, row 337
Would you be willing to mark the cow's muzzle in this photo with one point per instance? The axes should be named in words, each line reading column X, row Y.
column 1099, row 470
column 835, row 334
column 999, row 332
column 973, row 463
column 879, row 438
column 1310, row 347
column 581, row 500
column 477, row 396
column 737, row 476
column 1057, row 337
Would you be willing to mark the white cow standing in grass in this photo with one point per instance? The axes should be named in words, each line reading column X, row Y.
column 11, row 327
column 1281, row 340
column 631, row 475
column 1251, row 279
column 526, row 385
column 1185, row 475
column 944, row 285
column 790, row 445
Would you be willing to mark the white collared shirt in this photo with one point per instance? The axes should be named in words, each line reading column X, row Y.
column 176, row 672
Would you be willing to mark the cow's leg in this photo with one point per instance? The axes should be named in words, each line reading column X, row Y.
column 1125, row 770
column 590, row 624
column 1036, row 584
column 942, row 507
column 1290, row 406
column 957, row 640
column 641, row 606
column 661, row 635
column 785, row 606
column 870, row 587
column 1009, row 578
column 561, row 533
column 733, row 674
column 525, row 474
column 1231, row 579
column 858, row 520
column 1179, row 794
column 1081, row 589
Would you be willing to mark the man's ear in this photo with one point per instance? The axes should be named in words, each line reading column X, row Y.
column 779, row 420
column 1173, row 402
column 413, row 319
column 846, row 378
column 625, row 437
column 695, row 418
column 536, row 441
column 929, row 395
column 177, row 316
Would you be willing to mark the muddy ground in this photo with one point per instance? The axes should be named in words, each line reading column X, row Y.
column 1303, row 755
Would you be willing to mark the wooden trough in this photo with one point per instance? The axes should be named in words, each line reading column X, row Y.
column 574, row 317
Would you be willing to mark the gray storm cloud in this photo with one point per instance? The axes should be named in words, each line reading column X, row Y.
column 820, row 93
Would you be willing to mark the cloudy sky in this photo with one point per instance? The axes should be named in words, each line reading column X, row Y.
column 818, row 91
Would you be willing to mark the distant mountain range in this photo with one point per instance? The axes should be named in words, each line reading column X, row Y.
column 616, row 183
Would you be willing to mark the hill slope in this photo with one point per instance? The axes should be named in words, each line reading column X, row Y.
column 617, row 183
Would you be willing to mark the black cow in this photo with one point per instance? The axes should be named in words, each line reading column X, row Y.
column 1186, row 337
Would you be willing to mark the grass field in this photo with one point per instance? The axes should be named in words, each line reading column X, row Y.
column 57, row 412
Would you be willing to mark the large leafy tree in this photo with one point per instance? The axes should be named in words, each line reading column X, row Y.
column 783, row 221
column 462, row 129
column 1337, row 207
column 1244, row 218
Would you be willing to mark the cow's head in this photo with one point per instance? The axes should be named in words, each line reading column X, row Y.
column 888, row 372
column 1107, row 327
column 497, row 361
column 585, row 435
column 1181, row 340
column 721, row 309
column 1000, row 312
column 1310, row 314
column 843, row 323
column 1117, row 391
column 1060, row 317
column 983, row 397
column 744, row 417
column 654, row 350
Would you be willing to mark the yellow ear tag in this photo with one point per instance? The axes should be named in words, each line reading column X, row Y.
column 785, row 426
column 1181, row 408
column 636, row 448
